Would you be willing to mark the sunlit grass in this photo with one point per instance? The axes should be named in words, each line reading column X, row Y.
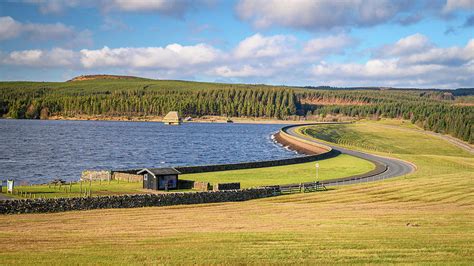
column 341, row 166
column 423, row 218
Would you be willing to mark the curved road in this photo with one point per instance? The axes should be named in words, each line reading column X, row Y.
column 394, row 167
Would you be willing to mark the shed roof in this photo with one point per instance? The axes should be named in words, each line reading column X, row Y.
column 171, row 117
column 160, row 171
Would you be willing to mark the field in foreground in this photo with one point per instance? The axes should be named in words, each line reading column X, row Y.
column 425, row 217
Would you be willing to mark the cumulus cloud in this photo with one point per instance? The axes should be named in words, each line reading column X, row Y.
column 317, row 15
column 166, row 7
column 453, row 5
column 162, row 6
column 170, row 57
column 334, row 44
column 405, row 46
column 10, row 29
column 411, row 61
column 56, row 57
column 242, row 71
column 450, row 56
column 436, row 67
column 257, row 46
column 56, row 6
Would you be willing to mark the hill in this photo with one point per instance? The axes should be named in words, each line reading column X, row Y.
column 104, row 77
column 121, row 96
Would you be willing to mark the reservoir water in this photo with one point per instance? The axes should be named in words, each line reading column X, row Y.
column 36, row 151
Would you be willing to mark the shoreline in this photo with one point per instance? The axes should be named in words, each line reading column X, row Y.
column 203, row 119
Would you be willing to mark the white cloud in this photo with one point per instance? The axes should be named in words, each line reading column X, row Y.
column 316, row 15
column 47, row 31
column 436, row 67
column 10, row 29
column 57, row 6
column 170, row 57
column 410, row 61
column 56, row 57
column 166, row 7
column 334, row 44
column 257, row 46
column 443, row 56
column 242, row 71
column 408, row 45
column 453, row 5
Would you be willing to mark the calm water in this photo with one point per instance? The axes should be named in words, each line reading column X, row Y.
column 37, row 151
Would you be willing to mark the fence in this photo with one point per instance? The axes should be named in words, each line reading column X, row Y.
column 297, row 188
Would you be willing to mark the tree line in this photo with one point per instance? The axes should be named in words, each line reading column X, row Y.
column 432, row 110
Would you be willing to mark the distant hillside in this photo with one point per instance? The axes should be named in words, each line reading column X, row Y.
column 103, row 76
column 124, row 96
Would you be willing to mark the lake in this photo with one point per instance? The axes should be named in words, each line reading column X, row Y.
column 36, row 151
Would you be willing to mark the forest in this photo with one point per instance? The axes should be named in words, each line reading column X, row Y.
column 449, row 112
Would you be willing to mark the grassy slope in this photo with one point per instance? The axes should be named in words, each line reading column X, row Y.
column 100, row 86
column 362, row 223
column 340, row 166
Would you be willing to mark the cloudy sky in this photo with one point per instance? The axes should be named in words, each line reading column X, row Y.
column 405, row 43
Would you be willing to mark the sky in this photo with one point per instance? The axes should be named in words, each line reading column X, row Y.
column 398, row 43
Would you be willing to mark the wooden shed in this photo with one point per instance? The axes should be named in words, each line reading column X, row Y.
column 172, row 118
column 160, row 178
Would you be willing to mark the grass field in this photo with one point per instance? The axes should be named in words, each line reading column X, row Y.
column 341, row 166
column 426, row 217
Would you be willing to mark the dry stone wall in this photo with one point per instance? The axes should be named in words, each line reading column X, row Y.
column 127, row 177
column 202, row 186
column 226, row 186
column 96, row 175
column 129, row 201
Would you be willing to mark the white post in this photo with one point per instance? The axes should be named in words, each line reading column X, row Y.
column 317, row 171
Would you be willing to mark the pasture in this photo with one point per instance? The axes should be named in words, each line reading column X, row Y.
column 340, row 166
column 426, row 217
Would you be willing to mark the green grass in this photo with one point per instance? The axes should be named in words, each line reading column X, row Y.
column 341, row 166
column 422, row 218
column 97, row 189
column 381, row 139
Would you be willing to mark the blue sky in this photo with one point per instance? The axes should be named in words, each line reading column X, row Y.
column 300, row 42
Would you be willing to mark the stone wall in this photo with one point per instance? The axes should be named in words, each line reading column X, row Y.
column 96, row 175
column 129, row 201
column 226, row 186
column 202, row 186
column 127, row 177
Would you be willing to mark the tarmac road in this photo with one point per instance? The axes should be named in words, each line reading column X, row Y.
column 394, row 167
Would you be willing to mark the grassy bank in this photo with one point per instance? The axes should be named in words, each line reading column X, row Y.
column 341, row 166
column 425, row 217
